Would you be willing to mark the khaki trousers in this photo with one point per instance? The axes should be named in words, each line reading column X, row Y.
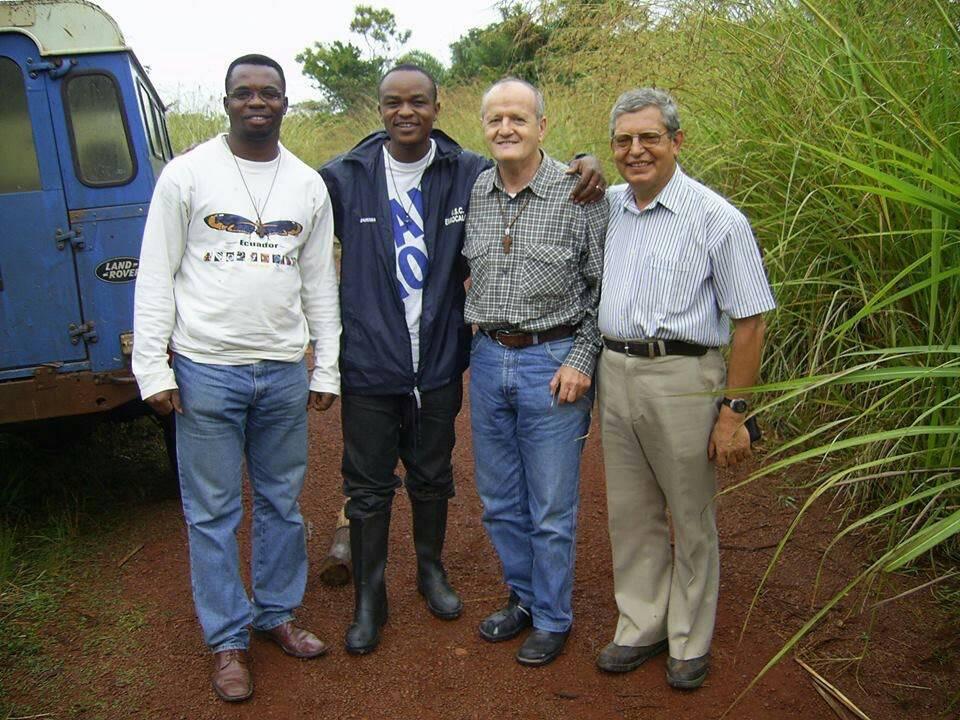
column 655, row 451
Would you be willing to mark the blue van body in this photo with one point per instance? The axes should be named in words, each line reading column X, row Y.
column 82, row 141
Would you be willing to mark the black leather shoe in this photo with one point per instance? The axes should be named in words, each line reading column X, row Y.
column 506, row 623
column 624, row 658
column 541, row 647
column 687, row 674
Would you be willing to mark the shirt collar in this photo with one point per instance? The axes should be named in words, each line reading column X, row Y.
column 546, row 176
column 670, row 196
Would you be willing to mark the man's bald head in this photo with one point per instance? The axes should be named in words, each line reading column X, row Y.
column 538, row 102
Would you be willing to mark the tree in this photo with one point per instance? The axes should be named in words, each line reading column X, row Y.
column 508, row 46
column 346, row 74
column 341, row 74
column 379, row 29
column 427, row 61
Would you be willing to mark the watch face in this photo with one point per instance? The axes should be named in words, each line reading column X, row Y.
column 738, row 405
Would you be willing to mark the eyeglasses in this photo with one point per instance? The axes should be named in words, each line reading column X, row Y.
column 650, row 139
column 267, row 94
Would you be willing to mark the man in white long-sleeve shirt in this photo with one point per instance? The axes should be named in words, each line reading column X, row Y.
column 237, row 276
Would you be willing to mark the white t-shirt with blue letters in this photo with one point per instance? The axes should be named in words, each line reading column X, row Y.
column 406, row 212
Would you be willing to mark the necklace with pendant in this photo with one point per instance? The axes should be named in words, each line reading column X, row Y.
column 407, row 218
column 259, row 228
column 507, row 240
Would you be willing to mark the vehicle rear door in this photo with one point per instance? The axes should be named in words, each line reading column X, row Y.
column 39, row 300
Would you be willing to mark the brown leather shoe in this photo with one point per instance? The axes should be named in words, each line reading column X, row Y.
column 296, row 641
column 231, row 676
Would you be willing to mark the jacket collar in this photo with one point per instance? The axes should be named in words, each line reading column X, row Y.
column 367, row 151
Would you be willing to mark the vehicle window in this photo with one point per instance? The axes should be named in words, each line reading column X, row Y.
column 101, row 147
column 162, row 130
column 148, row 122
column 166, row 136
column 153, row 130
column 18, row 170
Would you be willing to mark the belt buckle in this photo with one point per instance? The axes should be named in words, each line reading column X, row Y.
column 653, row 346
column 496, row 338
column 650, row 346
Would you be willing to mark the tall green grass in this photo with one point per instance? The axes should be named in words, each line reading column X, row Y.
column 834, row 126
column 860, row 127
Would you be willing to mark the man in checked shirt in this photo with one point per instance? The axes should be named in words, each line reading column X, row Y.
column 536, row 264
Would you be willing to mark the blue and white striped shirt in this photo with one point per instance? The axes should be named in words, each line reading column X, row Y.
column 679, row 268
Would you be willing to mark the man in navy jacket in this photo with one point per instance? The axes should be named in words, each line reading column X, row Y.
column 400, row 199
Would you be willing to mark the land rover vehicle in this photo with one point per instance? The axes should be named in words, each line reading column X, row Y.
column 82, row 141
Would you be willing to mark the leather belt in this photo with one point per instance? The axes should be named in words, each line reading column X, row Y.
column 517, row 339
column 654, row 348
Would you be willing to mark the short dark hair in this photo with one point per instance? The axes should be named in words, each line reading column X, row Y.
column 410, row 67
column 254, row 59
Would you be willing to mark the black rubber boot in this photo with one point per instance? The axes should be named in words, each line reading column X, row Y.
column 368, row 550
column 429, row 530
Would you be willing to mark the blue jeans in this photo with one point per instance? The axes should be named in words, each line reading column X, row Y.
column 526, row 452
column 230, row 412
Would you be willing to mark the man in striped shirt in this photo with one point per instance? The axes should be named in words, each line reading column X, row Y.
column 679, row 260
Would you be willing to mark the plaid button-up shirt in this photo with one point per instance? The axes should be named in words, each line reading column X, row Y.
column 551, row 276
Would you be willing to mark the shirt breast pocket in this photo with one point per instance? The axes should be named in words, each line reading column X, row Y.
column 673, row 279
column 476, row 254
column 547, row 271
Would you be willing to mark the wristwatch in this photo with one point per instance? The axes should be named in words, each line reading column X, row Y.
column 738, row 405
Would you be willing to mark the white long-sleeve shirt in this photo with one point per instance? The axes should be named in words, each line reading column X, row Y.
column 217, row 292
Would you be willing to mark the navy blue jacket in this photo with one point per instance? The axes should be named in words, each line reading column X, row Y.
column 375, row 345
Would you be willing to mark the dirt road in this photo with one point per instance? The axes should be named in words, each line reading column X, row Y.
column 127, row 644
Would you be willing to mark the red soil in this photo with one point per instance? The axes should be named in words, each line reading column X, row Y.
column 127, row 643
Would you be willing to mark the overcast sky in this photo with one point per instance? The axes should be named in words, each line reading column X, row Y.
column 187, row 44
